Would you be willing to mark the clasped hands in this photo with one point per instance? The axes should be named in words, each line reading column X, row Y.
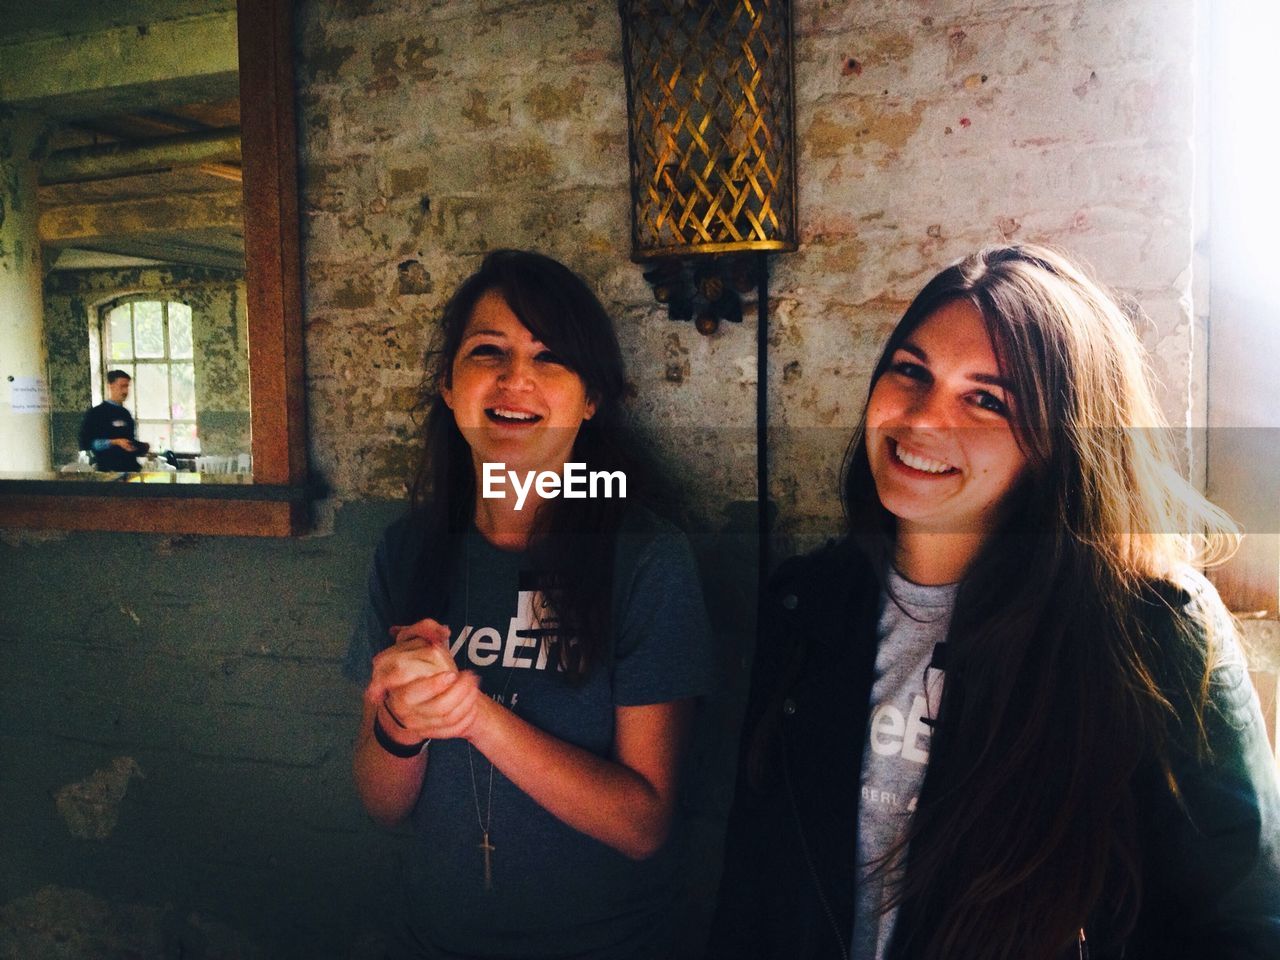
column 417, row 688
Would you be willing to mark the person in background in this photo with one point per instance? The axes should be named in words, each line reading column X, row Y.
column 107, row 430
column 1006, row 717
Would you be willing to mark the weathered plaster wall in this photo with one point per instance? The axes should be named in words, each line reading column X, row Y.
column 219, row 328
column 24, row 437
column 175, row 738
column 925, row 130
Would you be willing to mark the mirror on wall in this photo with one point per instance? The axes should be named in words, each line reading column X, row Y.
column 136, row 170
column 133, row 218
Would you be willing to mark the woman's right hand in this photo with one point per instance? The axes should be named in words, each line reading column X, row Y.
column 418, row 650
column 424, row 629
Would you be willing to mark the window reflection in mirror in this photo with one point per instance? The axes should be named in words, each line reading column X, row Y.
column 124, row 246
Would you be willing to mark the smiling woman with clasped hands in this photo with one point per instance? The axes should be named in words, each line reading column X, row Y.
column 530, row 668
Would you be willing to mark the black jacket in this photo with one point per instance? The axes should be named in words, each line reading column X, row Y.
column 110, row 421
column 1212, row 886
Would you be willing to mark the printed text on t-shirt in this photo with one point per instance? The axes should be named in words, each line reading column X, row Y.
column 892, row 734
column 527, row 645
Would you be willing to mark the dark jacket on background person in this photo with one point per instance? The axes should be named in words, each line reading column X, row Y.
column 1211, row 888
column 110, row 421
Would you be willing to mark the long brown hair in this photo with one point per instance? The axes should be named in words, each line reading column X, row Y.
column 573, row 540
column 1063, row 673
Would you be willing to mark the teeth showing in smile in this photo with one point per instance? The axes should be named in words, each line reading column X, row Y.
column 519, row 416
column 923, row 464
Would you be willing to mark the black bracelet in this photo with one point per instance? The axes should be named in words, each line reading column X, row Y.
column 402, row 750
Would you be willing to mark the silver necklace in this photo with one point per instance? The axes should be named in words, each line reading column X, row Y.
column 484, row 820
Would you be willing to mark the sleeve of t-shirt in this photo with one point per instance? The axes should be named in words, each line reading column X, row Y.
column 369, row 635
column 663, row 646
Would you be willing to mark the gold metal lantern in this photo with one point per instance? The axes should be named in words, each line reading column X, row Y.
column 709, row 104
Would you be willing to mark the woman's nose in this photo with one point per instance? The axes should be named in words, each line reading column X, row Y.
column 517, row 374
column 928, row 409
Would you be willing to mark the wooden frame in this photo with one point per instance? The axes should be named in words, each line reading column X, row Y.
column 276, row 503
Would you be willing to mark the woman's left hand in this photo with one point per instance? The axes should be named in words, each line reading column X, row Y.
column 438, row 707
column 417, row 686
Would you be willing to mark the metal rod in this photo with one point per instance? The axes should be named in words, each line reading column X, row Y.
column 762, row 416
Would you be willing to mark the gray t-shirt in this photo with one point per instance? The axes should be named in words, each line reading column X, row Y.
column 555, row 892
column 897, row 748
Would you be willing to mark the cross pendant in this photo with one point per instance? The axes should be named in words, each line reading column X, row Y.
column 488, row 848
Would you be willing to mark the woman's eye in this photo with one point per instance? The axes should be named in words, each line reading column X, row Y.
column 909, row 369
column 989, row 401
column 484, row 350
column 547, row 356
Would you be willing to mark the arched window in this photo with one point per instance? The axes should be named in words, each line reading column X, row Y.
column 151, row 341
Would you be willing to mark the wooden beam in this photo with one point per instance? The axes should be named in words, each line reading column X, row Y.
column 124, row 68
column 256, row 518
column 272, row 248
column 126, row 158
column 179, row 212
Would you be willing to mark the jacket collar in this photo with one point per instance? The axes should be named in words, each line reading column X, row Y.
column 835, row 584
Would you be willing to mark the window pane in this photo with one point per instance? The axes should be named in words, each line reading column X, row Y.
column 131, row 403
column 152, row 388
column 184, row 391
column 119, row 333
column 180, row 331
column 185, row 439
column 148, row 329
column 156, row 434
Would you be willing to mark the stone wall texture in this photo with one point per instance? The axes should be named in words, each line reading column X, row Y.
column 924, row 130
column 174, row 734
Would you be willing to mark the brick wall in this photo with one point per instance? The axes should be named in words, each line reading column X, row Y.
column 924, row 130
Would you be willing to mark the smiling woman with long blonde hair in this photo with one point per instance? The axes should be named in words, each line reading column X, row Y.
column 1005, row 717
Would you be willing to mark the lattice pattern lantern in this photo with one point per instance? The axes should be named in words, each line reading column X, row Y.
column 709, row 105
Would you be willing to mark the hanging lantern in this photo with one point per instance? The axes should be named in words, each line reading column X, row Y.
column 711, row 136
column 709, row 105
